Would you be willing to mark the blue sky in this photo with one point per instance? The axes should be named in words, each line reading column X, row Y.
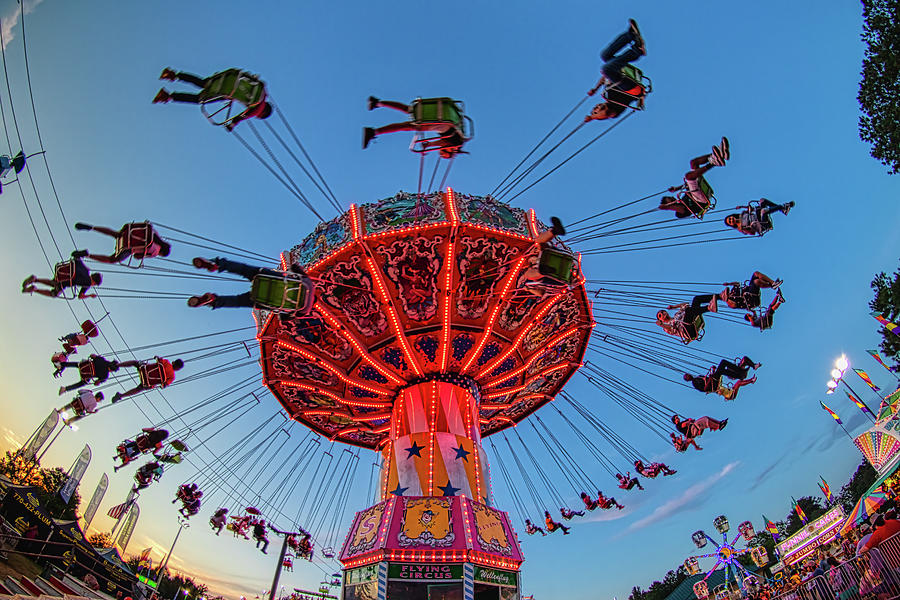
column 779, row 79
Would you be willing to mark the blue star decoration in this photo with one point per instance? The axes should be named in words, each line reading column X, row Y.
column 462, row 453
column 448, row 489
column 415, row 450
column 398, row 491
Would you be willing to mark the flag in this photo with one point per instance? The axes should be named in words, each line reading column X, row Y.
column 144, row 558
column 771, row 527
column 75, row 474
column 832, row 413
column 826, row 490
column 865, row 377
column 862, row 405
column 800, row 512
column 892, row 327
column 118, row 510
column 94, row 504
column 877, row 357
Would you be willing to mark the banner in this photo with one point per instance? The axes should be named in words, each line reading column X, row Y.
column 75, row 474
column 40, row 436
column 799, row 511
column 892, row 327
column 826, row 489
column 128, row 527
column 874, row 354
column 144, row 558
column 832, row 413
column 865, row 377
column 94, row 504
column 859, row 403
column 771, row 528
column 118, row 510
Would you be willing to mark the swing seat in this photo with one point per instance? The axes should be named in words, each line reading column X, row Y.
column 282, row 293
column 699, row 327
column 436, row 111
column 151, row 375
column 327, row 552
column 86, row 370
column 136, row 238
column 635, row 84
column 64, row 273
column 224, row 90
column 696, row 208
column 557, row 265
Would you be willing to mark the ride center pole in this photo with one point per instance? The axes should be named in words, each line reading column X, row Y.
column 279, row 565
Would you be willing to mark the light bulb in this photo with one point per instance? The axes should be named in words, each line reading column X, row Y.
column 842, row 363
column 836, row 374
column 831, row 384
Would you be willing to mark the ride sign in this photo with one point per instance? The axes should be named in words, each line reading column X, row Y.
column 431, row 572
column 495, row 577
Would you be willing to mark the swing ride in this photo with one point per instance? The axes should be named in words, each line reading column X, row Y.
column 424, row 323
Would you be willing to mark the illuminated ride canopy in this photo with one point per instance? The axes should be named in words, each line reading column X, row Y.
column 423, row 338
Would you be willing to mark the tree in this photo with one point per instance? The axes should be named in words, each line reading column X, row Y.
column 100, row 540
column 26, row 471
column 879, row 88
column 859, row 483
column 887, row 301
column 812, row 507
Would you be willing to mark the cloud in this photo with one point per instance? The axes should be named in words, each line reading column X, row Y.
column 765, row 472
column 11, row 20
column 685, row 500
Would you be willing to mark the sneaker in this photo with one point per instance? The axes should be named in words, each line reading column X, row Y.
column 203, row 300
column 116, row 397
column 28, row 289
column 79, row 254
column 28, row 281
column 780, row 297
column 167, row 74
column 202, row 263
column 723, row 423
column 368, row 136
column 83, row 227
column 62, row 390
column 716, row 158
column 638, row 38
column 162, row 96
column 373, row 102
column 714, row 304
column 788, row 206
column 777, row 283
column 557, row 226
column 725, row 148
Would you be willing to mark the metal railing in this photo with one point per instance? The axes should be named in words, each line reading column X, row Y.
column 873, row 575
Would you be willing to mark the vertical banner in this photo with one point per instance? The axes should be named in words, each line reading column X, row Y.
column 40, row 437
column 75, row 474
column 128, row 527
column 94, row 504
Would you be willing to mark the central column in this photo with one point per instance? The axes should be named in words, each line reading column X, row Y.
column 434, row 448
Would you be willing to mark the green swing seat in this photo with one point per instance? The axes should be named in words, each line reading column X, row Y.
column 692, row 205
column 236, row 85
column 437, row 110
column 557, row 264
column 279, row 293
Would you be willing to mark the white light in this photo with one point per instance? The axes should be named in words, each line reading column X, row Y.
column 842, row 363
column 831, row 384
column 830, row 392
column 836, row 374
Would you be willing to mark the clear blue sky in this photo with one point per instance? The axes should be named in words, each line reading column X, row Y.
column 779, row 79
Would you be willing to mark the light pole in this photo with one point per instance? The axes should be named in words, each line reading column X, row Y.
column 837, row 377
column 182, row 525
column 284, row 544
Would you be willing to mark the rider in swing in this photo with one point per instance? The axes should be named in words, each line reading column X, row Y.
column 85, row 403
column 653, row 470
column 694, row 200
column 684, row 323
column 233, row 85
column 450, row 128
column 757, row 220
column 712, row 381
column 70, row 274
column 531, row 528
column 554, row 525
column 568, row 513
column 294, row 274
column 93, row 367
column 607, row 503
column 627, row 482
column 747, row 296
column 157, row 373
column 767, row 319
column 621, row 90
column 134, row 239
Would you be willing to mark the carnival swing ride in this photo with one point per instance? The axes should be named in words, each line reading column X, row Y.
column 414, row 326
column 727, row 556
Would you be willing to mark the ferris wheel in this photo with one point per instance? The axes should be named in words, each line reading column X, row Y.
column 726, row 554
